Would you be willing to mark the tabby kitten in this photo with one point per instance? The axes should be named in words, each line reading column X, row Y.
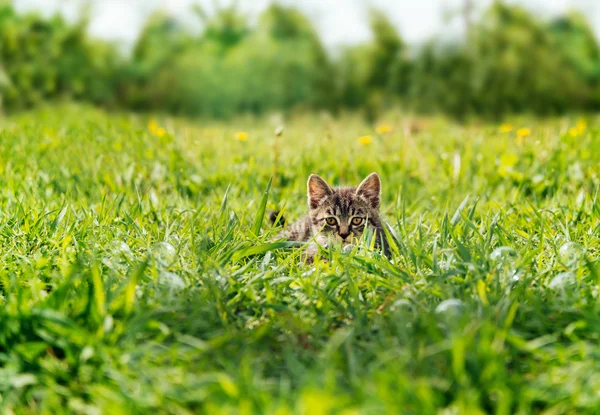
column 339, row 214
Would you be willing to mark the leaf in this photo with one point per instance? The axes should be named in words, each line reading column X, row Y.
column 223, row 207
column 456, row 216
column 262, row 207
column 59, row 218
column 228, row 385
column 510, row 316
column 99, row 295
column 24, row 379
column 261, row 249
column 130, row 289
column 481, row 290
column 463, row 252
column 591, row 266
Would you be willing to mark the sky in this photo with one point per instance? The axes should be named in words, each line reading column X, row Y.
column 340, row 22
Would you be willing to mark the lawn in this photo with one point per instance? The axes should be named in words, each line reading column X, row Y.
column 138, row 275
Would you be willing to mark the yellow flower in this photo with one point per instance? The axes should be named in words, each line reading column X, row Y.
column 574, row 131
column 581, row 126
column 156, row 129
column 365, row 140
column 506, row 128
column 241, row 136
column 152, row 126
column 523, row 132
column 383, row 129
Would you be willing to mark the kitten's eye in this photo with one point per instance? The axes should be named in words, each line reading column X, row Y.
column 357, row 221
column 331, row 221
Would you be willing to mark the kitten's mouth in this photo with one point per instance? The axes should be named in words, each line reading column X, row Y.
column 346, row 241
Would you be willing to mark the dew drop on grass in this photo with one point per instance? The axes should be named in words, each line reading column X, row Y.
column 451, row 307
column 504, row 257
column 563, row 280
column 308, row 272
column 447, row 262
column 118, row 256
column 139, row 292
column 348, row 248
column 108, row 324
column 505, row 260
column 570, row 254
column 516, row 275
column 171, row 280
column 163, row 253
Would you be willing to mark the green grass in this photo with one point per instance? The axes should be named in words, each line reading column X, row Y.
column 136, row 276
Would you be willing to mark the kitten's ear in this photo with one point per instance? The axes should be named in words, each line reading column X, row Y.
column 370, row 190
column 317, row 190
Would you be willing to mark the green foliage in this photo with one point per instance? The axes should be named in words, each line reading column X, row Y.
column 229, row 69
column 373, row 74
column 577, row 42
column 45, row 58
column 440, row 81
column 509, row 62
column 517, row 67
column 386, row 51
column 143, row 86
column 136, row 276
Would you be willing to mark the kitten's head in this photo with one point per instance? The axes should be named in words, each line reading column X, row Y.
column 343, row 213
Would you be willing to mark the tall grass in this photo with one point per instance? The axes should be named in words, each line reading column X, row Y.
column 138, row 273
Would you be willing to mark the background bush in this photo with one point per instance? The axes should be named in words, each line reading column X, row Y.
column 508, row 62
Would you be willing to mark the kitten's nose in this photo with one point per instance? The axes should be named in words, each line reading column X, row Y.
column 344, row 235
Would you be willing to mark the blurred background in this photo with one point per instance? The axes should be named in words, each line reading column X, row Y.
column 223, row 58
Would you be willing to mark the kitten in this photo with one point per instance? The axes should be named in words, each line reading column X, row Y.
column 339, row 215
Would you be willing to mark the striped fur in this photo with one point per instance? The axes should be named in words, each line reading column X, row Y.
column 339, row 214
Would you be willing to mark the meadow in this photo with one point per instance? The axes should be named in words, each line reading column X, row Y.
column 139, row 272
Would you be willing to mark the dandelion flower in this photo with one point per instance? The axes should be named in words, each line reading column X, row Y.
column 365, row 140
column 581, row 126
column 523, row 132
column 156, row 129
column 574, row 131
column 383, row 129
column 153, row 126
column 241, row 136
column 506, row 128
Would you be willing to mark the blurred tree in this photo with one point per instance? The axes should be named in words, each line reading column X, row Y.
column 44, row 58
column 509, row 62
column 440, row 80
column 385, row 52
column 227, row 27
column 375, row 73
column 575, row 39
column 229, row 68
column 298, row 56
column 142, row 84
column 518, row 66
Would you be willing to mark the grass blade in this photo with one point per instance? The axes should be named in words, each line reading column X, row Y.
column 262, row 207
